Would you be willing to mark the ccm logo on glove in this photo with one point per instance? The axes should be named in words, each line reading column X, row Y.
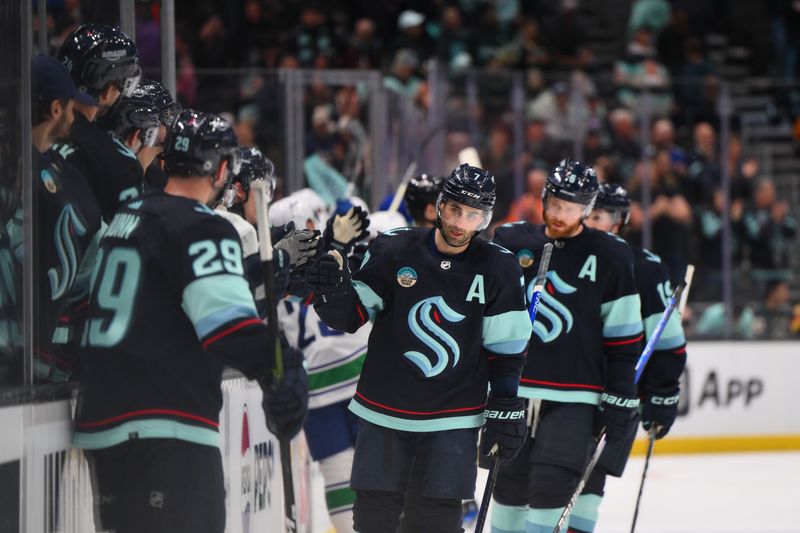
column 504, row 415
column 664, row 400
column 619, row 401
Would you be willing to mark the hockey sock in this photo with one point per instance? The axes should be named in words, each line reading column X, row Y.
column 584, row 514
column 542, row 520
column 508, row 518
column 338, row 494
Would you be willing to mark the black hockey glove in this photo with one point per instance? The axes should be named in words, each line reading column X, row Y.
column 618, row 414
column 285, row 402
column 301, row 245
column 659, row 409
column 506, row 426
column 326, row 276
column 342, row 231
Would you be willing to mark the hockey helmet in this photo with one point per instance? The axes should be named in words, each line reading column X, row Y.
column 421, row 191
column 96, row 55
column 613, row 197
column 470, row 186
column 254, row 167
column 572, row 181
column 381, row 221
column 130, row 113
column 292, row 208
column 168, row 108
column 198, row 144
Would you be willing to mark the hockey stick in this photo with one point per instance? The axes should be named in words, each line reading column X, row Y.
column 411, row 169
column 651, row 435
column 640, row 364
column 538, row 287
column 260, row 188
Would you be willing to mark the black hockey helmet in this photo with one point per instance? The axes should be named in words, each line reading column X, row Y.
column 198, row 143
column 130, row 113
column 168, row 108
column 613, row 197
column 253, row 166
column 572, row 181
column 421, row 191
column 96, row 55
column 470, row 186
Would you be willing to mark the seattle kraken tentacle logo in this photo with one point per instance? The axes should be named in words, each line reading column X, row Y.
column 551, row 309
column 68, row 226
column 430, row 312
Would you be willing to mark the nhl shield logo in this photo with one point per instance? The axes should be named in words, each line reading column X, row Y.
column 406, row 277
column 525, row 258
column 445, row 265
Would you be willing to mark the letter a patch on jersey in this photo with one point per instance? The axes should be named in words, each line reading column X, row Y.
column 476, row 290
column 589, row 269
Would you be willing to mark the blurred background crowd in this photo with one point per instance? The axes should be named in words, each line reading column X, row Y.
column 681, row 101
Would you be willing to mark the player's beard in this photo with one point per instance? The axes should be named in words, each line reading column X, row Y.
column 558, row 229
column 60, row 132
column 456, row 241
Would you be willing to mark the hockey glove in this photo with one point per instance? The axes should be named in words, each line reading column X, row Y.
column 301, row 245
column 618, row 414
column 659, row 409
column 342, row 231
column 285, row 402
column 281, row 268
column 506, row 426
column 327, row 275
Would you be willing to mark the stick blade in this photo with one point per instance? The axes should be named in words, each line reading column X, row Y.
column 469, row 155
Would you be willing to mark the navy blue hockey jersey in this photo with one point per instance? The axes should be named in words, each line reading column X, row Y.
column 588, row 330
column 444, row 327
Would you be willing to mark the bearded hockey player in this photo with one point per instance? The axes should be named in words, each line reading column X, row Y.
column 449, row 320
column 170, row 308
column 586, row 339
column 659, row 386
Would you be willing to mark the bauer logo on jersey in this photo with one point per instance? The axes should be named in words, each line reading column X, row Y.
column 406, row 277
column 525, row 258
column 553, row 317
column 424, row 320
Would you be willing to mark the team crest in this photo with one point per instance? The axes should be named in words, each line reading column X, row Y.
column 406, row 277
column 49, row 182
column 525, row 258
column 445, row 265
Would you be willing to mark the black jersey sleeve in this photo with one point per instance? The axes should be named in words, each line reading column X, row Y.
column 620, row 313
column 662, row 373
column 216, row 297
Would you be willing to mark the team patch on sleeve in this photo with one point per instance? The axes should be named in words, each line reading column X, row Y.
column 507, row 333
column 214, row 301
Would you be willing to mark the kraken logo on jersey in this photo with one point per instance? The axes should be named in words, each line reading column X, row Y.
column 68, row 227
column 430, row 313
column 551, row 309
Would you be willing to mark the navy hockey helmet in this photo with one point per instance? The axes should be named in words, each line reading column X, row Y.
column 472, row 186
column 96, row 55
column 421, row 191
column 253, row 166
column 168, row 108
column 198, row 144
column 572, row 181
column 613, row 197
column 130, row 113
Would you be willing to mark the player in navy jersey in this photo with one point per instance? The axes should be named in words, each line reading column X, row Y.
column 170, row 307
column 104, row 62
column 449, row 320
column 586, row 339
column 659, row 386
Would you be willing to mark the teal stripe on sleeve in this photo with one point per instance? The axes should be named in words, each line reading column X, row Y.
column 671, row 337
column 507, row 333
column 621, row 317
column 368, row 297
column 212, row 301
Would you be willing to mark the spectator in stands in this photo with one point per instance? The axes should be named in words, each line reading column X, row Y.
column 568, row 39
column 769, row 228
column 709, row 224
column 774, row 315
column 312, row 38
column 454, row 45
column 364, row 50
column 254, row 34
column 402, row 79
column 652, row 14
column 639, row 73
column 625, row 148
column 703, row 175
column 320, row 140
column 663, row 138
column 594, row 145
column 527, row 50
column 499, row 157
column 413, row 36
column 671, row 41
column 540, row 148
column 528, row 207
column 554, row 107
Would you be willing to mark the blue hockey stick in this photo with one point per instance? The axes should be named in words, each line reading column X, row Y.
column 640, row 364
column 538, row 287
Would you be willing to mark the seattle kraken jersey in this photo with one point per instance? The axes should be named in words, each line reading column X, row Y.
column 444, row 326
column 663, row 371
column 67, row 230
column 112, row 169
column 169, row 307
column 333, row 358
column 588, row 329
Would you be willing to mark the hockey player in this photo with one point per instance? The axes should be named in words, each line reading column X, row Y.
column 135, row 121
column 659, row 386
column 586, row 339
column 448, row 321
column 169, row 309
column 104, row 62
column 68, row 218
column 168, row 109
column 420, row 196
